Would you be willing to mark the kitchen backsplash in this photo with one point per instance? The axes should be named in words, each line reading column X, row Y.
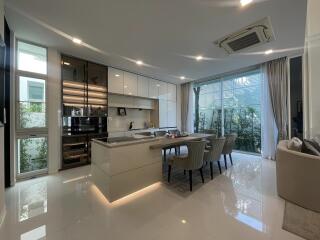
column 118, row 123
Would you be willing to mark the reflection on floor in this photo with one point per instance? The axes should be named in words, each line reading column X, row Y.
column 239, row 204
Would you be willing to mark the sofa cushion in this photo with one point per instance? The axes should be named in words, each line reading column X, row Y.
column 308, row 147
column 295, row 144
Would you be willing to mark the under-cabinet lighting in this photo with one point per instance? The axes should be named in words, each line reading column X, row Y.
column 268, row 52
column 199, row 58
column 182, row 77
column 139, row 62
column 66, row 63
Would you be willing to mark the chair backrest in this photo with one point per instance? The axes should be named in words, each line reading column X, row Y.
column 210, row 131
column 215, row 150
column 160, row 133
column 195, row 154
column 174, row 132
column 229, row 143
column 213, row 136
column 144, row 133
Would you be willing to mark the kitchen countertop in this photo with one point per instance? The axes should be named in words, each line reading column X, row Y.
column 127, row 143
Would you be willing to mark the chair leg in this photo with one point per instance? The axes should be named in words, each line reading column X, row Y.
column 225, row 161
column 230, row 159
column 175, row 151
column 165, row 155
column 219, row 165
column 201, row 173
column 184, row 172
column 169, row 173
column 190, row 180
column 211, row 170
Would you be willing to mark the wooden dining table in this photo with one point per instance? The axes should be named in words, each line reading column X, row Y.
column 166, row 143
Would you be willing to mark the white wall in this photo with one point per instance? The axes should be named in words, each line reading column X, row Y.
column 312, row 70
column 54, row 110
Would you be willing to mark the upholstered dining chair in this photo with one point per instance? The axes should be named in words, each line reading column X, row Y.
column 213, row 153
column 175, row 132
column 160, row 133
column 190, row 162
column 228, row 146
column 213, row 136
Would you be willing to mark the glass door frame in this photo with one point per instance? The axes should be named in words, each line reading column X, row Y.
column 24, row 133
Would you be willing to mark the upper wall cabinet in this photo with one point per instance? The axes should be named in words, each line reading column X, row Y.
column 163, row 90
column 143, row 86
column 154, row 88
column 130, row 84
column 172, row 92
column 115, row 80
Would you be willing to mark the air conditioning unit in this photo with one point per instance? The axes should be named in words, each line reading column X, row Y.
column 256, row 34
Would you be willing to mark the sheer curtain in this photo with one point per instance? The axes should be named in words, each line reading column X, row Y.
column 269, row 131
column 187, row 107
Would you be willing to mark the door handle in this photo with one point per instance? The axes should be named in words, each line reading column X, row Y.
column 4, row 116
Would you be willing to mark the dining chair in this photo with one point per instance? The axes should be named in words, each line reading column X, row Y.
column 213, row 136
column 175, row 132
column 228, row 146
column 213, row 153
column 160, row 133
column 192, row 161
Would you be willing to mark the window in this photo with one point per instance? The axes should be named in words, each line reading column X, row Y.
column 32, row 58
column 31, row 133
column 231, row 104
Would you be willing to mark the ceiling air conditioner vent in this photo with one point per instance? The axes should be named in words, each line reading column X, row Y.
column 251, row 36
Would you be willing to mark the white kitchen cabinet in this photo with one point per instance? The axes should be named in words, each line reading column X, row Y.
column 163, row 90
column 115, row 80
column 163, row 113
column 172, row 114
column 172, row 92
column 130, row 84
column 143, row 86
column 154, row 88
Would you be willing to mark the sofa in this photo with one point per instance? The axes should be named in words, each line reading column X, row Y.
column 298, row 177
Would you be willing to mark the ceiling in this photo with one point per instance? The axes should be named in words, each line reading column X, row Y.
column 164, row 34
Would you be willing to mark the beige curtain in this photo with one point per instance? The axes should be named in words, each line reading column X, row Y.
column 185, row 97
column 277, row 73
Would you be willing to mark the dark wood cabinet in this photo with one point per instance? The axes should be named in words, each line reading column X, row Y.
column 84, row 108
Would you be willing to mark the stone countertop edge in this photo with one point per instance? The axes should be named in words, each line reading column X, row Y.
column 123, row 144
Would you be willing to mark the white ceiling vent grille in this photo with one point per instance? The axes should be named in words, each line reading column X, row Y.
column 251, row 36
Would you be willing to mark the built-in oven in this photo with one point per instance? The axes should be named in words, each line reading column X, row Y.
column 84, row 125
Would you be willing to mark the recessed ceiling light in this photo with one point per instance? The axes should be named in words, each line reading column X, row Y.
column 66, row 63
column 199, row 58
column 77, row 40
column 182, row 77
column 184, row 221
column 268, row 52
column 245, row 2
column 139, row 62
column 117, row 75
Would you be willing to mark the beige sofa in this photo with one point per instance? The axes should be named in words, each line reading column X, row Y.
column 298, row 177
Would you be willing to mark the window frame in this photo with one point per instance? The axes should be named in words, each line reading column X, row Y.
column 34, row 132
column 21, row 73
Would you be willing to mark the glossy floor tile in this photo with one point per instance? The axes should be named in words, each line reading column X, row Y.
column 239, row 204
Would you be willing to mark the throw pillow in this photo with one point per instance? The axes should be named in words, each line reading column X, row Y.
column 295, row 144
column 307, row 147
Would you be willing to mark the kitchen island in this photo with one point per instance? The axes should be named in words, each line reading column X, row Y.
column 120, row 166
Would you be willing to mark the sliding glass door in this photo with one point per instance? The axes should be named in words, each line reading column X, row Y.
column 231, row 104
column 31, row 110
